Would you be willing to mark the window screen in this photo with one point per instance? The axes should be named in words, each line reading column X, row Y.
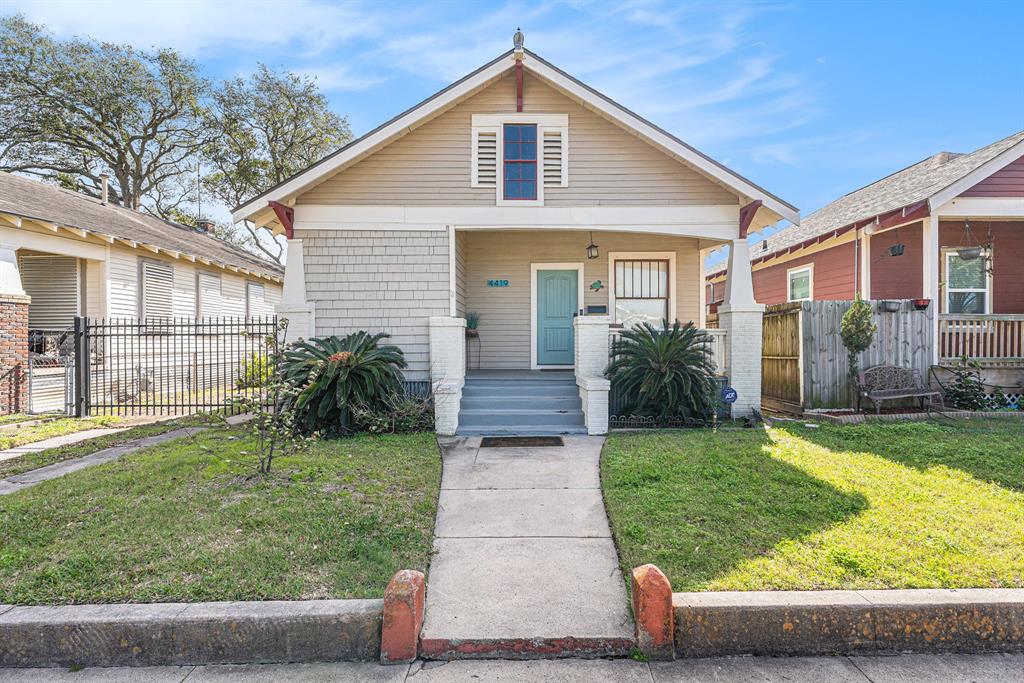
column 641, row 292
column 254, row 299
column 966, row 284
column 800, row 285
column 208, row 294
column 520, row 161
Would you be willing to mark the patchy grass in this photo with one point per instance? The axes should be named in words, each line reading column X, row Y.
column 895, row 505
column 31, row 461
column 189, row 521
column 46, row 430
column 14, row 418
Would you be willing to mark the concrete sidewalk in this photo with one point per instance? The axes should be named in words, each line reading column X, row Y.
column 524, row 561
column 995, row 668
column 58, row 441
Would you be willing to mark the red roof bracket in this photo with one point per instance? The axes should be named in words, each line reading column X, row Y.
column 747, row 216
column 286, row 215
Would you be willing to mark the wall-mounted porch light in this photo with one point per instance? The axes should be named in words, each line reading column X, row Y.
column 592, row 251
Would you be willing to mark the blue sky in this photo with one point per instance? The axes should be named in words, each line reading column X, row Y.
column 809, row 100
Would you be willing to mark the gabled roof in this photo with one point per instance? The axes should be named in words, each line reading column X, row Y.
column 475, row 81
column 928, row 181
column 43, row 203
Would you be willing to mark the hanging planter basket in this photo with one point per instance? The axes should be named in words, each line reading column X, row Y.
column 969, row 253
column 921, row 304
column 890, row 306
column 896, row 250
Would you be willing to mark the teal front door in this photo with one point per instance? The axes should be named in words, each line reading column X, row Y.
column 556, row 305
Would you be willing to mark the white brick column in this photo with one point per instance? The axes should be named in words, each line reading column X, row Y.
column 591, row 358
column 447, row 370
column 300, row 313
column 741, row 317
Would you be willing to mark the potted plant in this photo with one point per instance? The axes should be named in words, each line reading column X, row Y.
column 921, row 304
column 472, row 321
column 890, row 306
column 969, row 253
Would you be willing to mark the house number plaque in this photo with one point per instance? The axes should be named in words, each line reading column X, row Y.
column 497, row 283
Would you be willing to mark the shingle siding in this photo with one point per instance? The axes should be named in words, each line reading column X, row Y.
column 379, row 281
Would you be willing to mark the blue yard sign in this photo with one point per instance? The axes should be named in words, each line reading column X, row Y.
column 729, row 395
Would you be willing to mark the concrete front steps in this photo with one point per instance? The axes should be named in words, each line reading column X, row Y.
column 521, row 403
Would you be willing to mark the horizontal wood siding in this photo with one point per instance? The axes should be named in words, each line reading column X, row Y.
column 379, row 281
column 897, row 277
column 504, row 341
column 460, row 274
column 833, row 276
column 1006, row 182
column 1007, row 258
column 431, row 164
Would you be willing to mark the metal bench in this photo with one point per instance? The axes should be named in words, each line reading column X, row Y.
column 891, row 383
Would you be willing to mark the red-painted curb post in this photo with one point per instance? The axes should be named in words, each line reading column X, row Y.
column 403, row 617
column 652, row 610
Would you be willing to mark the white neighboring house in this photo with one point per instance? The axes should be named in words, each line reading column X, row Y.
column 523, row 195
column 79, row 256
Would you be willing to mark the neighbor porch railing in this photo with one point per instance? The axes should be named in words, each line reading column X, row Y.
column 985, row 337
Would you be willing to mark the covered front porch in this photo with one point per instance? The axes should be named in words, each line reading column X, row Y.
column 534, row 313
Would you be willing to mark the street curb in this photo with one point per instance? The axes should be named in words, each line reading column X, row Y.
column 168, row 634
column 807, row 623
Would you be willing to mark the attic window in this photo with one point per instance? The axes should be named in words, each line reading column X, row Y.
column 519, row 155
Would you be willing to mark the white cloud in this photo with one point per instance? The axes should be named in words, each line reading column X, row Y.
column 331, row 77
column 200, row 28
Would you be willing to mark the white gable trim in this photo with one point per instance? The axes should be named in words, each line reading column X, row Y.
column 976, row 176
column 494, row 70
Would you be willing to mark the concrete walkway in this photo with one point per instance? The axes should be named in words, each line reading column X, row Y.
column 58, row 441
column 18, row 482
column 995, row 668
column 524, row 562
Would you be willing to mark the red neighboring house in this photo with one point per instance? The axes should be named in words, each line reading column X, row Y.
column 949, row 229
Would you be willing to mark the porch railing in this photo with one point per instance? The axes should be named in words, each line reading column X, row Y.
column 993, row 336
column 719, row 355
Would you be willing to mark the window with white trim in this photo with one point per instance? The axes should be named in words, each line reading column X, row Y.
column 800, row 283
column 968, row 286
column 156, row 289
column 519, row 155
column 641, row 291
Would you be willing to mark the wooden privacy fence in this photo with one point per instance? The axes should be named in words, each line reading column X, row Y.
column 780, row 358
column 804, row 362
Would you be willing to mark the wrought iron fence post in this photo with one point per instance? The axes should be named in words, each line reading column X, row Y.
column 81, row 366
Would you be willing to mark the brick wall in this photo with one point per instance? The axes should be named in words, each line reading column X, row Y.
column 13, row 353
column 380, row 281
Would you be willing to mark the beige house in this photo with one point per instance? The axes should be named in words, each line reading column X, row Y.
column 553, row 213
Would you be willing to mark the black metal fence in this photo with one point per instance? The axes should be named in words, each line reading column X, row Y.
column 156, row 366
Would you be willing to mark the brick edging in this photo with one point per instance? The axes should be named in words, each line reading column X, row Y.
column 811, row 623
column 858, row 418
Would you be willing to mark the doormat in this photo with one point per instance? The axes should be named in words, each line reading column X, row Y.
column 521, row 442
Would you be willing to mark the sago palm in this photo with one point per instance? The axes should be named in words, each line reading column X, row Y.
column 333, row 374
column 664, row 372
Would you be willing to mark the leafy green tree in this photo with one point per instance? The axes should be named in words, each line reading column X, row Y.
column 857, row 330
column 73, row 110
column 268, row 128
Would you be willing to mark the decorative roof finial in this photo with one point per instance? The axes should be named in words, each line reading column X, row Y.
column 517, row 40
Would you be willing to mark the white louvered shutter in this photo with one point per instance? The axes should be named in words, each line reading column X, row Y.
column 555, row 157
column 53, row 284
column 484, row 172
column 255, row 297
column 157, row 283
column 208, row 294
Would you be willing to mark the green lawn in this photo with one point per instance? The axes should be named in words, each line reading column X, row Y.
column 189, row 521
column 893, row 505
column 31, row 461
column 19, row 417
column 65, row 425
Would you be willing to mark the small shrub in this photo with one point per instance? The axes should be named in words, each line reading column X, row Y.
column 666, row 372
column 332, row 375
column 966, row 391
column 401, row 415
column 857, row 330
column 255, row 372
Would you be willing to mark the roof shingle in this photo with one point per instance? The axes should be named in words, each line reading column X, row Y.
column 43, row 202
